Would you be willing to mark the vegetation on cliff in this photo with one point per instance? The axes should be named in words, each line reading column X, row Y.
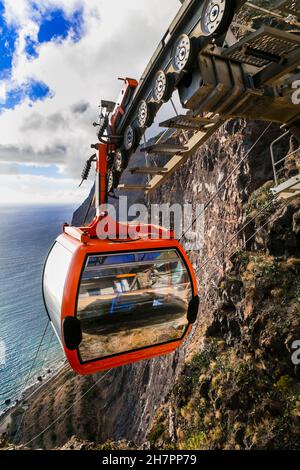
column 232, row 385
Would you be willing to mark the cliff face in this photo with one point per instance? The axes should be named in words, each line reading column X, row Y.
column 86, row 211
column 127, row 401
column 242, row 391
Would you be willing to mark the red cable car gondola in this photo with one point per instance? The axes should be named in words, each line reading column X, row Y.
column 115, row 302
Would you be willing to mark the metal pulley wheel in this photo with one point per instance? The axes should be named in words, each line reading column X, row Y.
column 182, row 53
column 119, row 161
column 130, row 137
column 216, row 16
column 163, row 86
column 110, row 180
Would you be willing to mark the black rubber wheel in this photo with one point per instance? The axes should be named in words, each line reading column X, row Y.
column 72, row 332
column 164, row 85
column 146, row 114
column 131, row 138
column 217, row 16
column 110, row 181
column 110, row 160
column 182, row 53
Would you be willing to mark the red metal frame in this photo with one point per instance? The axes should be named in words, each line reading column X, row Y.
column 83, row 241
column 129, row 86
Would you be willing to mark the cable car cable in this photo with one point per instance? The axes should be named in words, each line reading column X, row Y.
column 226, row 181
column 218, row 235
column 43, row 385
column 28, row 378
column 242, row 247
column 12, row 379
column 218, row 192
column 68, row 409
column 92, row 199
column 87, row 168
column 36, row 355
column 25, row 349
column 47, row 350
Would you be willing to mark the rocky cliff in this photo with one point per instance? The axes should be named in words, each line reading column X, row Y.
column 232, row 384
column 241, row 390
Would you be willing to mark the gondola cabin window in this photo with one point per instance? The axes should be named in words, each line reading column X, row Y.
column 131, row 301
column 54, row 277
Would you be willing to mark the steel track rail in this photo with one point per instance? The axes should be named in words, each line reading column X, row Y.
column 194, row 143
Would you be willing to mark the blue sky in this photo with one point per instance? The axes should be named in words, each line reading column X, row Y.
column 53, row 25
column 58, row 59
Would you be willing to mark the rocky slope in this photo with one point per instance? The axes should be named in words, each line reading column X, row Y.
column 232, row 385
column 241, row 391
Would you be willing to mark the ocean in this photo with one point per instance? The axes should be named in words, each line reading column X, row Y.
column 26, row 235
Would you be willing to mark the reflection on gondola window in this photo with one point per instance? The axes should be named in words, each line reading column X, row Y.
column 130, row 301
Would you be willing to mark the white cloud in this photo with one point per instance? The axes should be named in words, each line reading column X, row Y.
column 119, row 40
